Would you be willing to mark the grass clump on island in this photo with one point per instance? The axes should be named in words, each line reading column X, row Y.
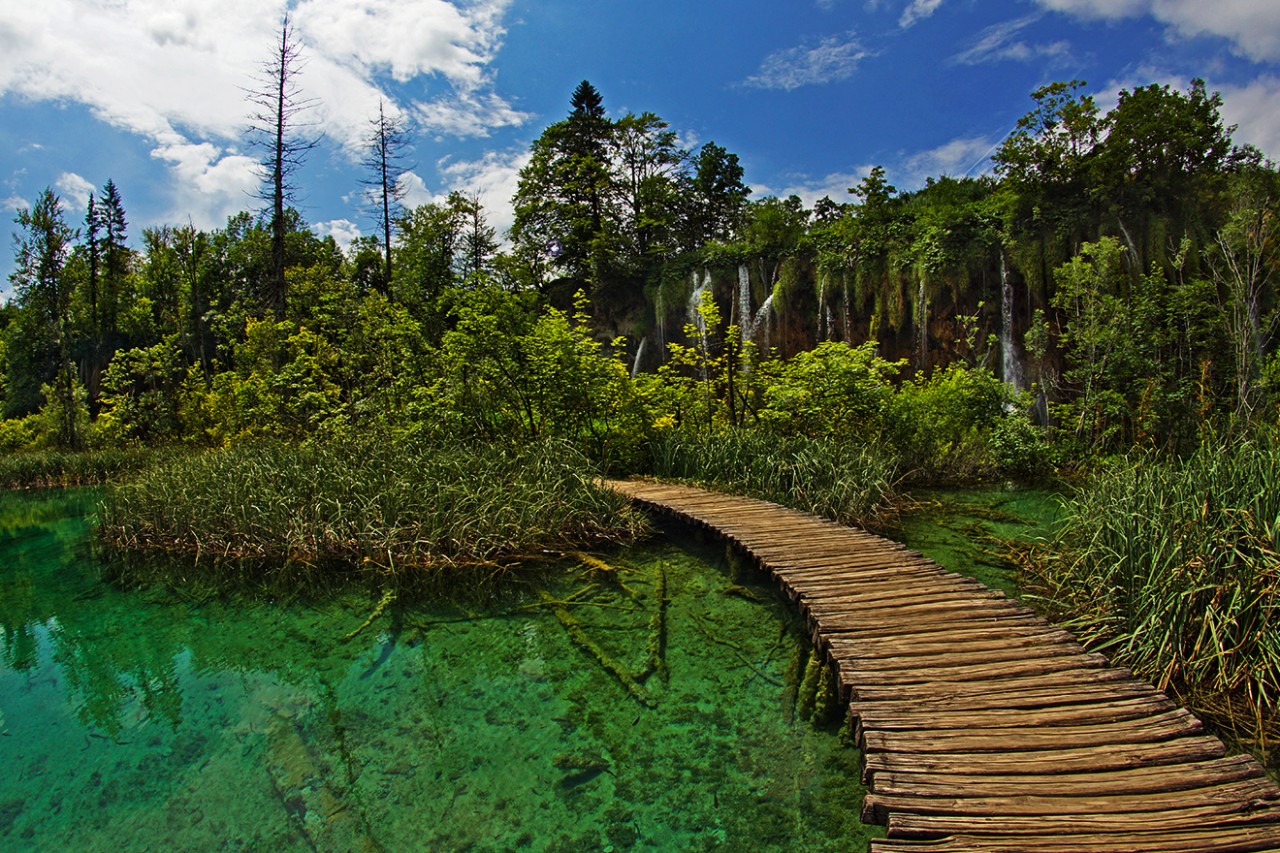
column 387, row 507
column 849, row 482
column 40, row 469
column 1172, row 568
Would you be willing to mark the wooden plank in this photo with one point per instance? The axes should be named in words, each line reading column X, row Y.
column 1065, row 760
column 1188, row 840
column 914, row 645
column 903, row 708
column 1262, row 814
column 911, row 656
column 976, row 608
column 1230, row 794
column 861, row 676
column 982, row 723
column 898, row 597
column 1106, row 710
column 1158, row 727
column 1136, row 780
column 883, row 625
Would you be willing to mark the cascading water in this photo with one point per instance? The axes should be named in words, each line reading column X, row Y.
column 660, row 318
column 823, row 315
column 922, row 326
column 744, row 302
column 761, row 321
column 848, row 315
column 635, row 365
column 698, row 321
column 1010, row 365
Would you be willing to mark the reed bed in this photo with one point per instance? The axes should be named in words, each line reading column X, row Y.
column 54, row 468
column 846, row 482
column 1173, row 569
column 385, row 507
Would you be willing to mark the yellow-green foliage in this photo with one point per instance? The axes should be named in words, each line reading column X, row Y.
column 832, row 390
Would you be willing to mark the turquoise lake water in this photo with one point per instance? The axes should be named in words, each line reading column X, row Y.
column 134, row 720
column 967, row 531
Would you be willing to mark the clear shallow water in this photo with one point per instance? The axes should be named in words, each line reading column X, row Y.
column 966, row 530
column 135, row 721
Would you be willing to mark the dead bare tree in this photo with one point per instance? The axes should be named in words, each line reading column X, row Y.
column 385, row 164
column 277, row 131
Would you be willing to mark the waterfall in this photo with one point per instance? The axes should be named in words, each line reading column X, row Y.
column 922, row 326
column 848, row 313
column 695, row 316
column 744, row 302
column 660, row 316
column 762, row 318
column 635, row 365
column 822, row 294
column 1010, row 365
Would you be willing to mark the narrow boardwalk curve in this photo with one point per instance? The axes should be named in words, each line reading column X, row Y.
column 985, row 727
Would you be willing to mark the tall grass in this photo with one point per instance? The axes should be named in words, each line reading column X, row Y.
column 386, row 507
column 844, row 481
column 1173, row 568
column 50, row 468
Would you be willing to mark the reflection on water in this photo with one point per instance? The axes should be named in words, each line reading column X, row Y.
column 132, row 721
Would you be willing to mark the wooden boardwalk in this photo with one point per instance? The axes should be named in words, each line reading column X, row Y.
column 985, row 727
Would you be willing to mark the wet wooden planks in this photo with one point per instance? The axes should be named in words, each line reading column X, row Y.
column 985, row 727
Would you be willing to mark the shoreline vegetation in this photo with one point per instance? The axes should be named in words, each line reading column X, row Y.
column 389, row 511
column 1102, row 306
column 1169, row 566
column 46, row 469
column 1172, row 568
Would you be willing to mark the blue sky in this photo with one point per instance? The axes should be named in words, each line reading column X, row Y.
column 809, row 93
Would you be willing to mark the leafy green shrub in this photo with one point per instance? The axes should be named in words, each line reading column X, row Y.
column 834, row 390
column 17, row 434
column 942, row 426
column 1019, row 448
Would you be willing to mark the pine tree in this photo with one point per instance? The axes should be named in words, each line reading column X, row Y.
column 43, row 287
column 115, row 255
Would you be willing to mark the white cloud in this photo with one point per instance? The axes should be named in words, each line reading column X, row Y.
column 175, row 71
column 834, row 186
column 832, row 59
column 467, row 115
column 1000, row 42
column 957, row 158
column 74, row 190
column 1252, row 26
column 1255, row 109
column 406, row 39
column 918, row 11
column 416, row 192
column 15, row 203
column 493, row 179
column 343, row 231
column 209, row 183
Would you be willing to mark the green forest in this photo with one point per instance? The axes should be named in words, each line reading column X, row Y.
column 1099, row 311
